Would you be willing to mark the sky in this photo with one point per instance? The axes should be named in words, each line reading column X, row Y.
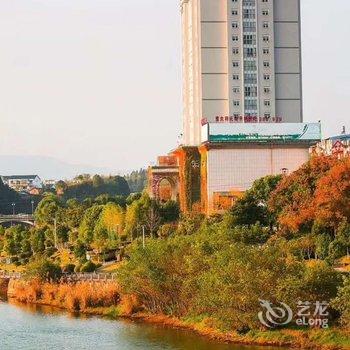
column 99, row 81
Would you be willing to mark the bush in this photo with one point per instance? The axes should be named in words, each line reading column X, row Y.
column 342, row 302
column 166, row 230
column 69, row 268
column 43, row 269
column 89, row 266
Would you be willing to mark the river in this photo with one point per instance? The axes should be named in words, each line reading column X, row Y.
column 25, row 327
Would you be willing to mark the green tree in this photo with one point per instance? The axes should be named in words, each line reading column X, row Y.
column 253, row 208
column 87, row 226
column 47, row 210
column 342, row 302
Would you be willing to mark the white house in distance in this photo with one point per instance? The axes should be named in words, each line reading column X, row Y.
column 23, row 183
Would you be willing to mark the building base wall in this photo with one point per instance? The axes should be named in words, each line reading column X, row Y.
column 233, row 170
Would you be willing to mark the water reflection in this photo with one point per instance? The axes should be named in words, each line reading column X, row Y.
column 35, row 327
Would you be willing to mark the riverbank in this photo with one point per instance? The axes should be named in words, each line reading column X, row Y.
column 105, row 299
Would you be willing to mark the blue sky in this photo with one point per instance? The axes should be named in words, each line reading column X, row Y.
column 99, row 81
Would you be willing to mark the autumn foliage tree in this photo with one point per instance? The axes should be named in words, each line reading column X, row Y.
column 332, row 196
column 293, row 200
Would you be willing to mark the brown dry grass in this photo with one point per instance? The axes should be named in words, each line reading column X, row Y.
column 76, row 297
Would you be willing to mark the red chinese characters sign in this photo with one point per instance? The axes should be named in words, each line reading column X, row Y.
column 244, row 119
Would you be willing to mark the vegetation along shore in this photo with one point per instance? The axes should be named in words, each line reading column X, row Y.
column 287, row 240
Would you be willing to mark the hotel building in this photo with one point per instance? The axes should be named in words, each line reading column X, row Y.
column 242, row 97
column 241, row 60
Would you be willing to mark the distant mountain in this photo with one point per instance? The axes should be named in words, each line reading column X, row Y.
column 46, row 167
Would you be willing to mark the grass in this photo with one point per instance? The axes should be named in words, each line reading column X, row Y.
column 11, row 267
column 110, row 268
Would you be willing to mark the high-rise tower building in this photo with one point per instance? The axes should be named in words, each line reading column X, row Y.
column 241, row 63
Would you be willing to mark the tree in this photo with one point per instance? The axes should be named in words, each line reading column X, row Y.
column 169, row 211
column 252, row 207
column 323, row 242
column 101, row 238
column 137, row 180
column 61, row 187
column 97, row 181
column 292, row 201
column 342, row 302
column 112, row 218
column 37, row 240
column 47, row 210
column 332, row 195
column 44, row 269
column 87, row 226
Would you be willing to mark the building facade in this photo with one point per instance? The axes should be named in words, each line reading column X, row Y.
column 338, row 146
column 241, row 63
column 23, row 183
column 242, row 96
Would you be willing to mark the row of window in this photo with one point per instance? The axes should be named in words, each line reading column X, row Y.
column 249, row 13
column 251, row 104
column 250, row 26
column 250, row 65
column 249, row 51
column 250, row 39
column 251, row 78
column 250, row 90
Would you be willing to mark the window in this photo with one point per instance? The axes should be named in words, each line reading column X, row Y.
column 249, row 52
column 235, row 51
column 250, row 78
column 250, row 91
column 251, row 104
column 267, row 90
column 266, row 51
column 235, row 64
column 265, row 12
column 249, row 27
column 266, row 64
column 267, row 103
column 236, row 90
column 234, row 0
column 266, row 38
column 234, row 24
column 236, row 103
column 265, row 1
column 249, row 65
column 248, row 13
column 267, row 115
column 234, row 38
column 249, row 39
column 234, row 12
column 284, row 171
column 266, row 76
column 266, row 25
column 235, row 77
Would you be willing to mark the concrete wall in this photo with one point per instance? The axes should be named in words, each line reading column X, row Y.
column 288, row 70
column 237, row 168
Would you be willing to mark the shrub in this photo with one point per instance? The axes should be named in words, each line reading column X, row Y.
column 69, row 268
column 89, row 266
column 43, row 269
column 342, row 302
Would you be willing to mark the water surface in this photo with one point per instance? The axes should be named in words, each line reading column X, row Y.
column 44, row 328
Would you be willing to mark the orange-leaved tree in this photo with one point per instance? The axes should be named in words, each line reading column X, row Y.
column 332, row 196
column 293, row 200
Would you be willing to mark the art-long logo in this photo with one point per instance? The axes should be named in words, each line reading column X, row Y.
column 309, row 314
column 274, row 316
